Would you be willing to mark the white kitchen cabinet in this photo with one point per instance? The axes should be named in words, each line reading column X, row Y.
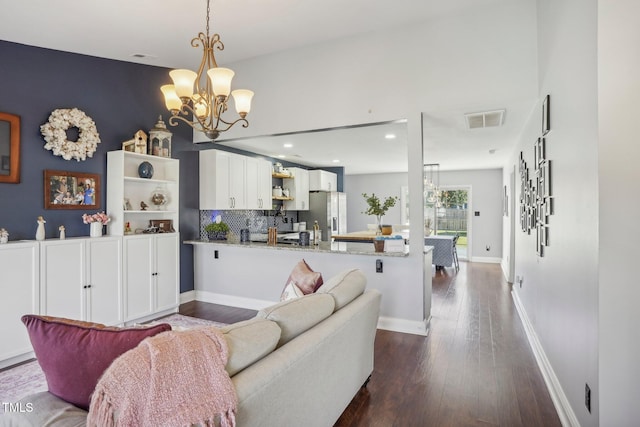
column 321, row 180
column 222, row 180
column 151, row 275
column 81, row 278
column 298, row 186
column 258, row 183
column 19, row 269
column 126, row 190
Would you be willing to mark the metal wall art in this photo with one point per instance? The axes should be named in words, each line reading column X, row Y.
column 536, row 201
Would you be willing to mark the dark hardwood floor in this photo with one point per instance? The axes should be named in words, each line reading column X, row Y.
column 474, row 369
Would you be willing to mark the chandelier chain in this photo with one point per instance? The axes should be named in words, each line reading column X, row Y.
column 208, row 9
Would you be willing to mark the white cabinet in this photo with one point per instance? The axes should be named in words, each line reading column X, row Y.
column 124, row 185
column 19, row 286
column 82, row 279
column 298, row 186
column 258, row 183
column 321, row 180
column 151, row 275
column 222, row 180
column 230, row 181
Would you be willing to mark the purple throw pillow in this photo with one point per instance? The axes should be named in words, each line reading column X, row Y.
column 73, row 354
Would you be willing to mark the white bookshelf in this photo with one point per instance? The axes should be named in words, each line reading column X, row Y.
column 123, row 182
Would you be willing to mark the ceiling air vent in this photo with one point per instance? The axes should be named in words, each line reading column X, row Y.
column 485, row 119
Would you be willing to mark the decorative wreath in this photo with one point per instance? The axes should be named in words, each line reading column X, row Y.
column 55, row 133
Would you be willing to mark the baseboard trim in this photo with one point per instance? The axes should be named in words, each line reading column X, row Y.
column 559, row 398
column 187, row 296
column 487, row 259
column 404, row 326
column 16, row 360
column 504, row 269
column 232, row 301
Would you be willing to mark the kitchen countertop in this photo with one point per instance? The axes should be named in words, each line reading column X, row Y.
column 328, row 247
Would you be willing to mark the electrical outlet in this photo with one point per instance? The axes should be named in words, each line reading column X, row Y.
column 378, row 266
column 215, row 254
column 587, row 397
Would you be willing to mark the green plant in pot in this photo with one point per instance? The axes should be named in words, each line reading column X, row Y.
column 379, row 208
column 217, row 230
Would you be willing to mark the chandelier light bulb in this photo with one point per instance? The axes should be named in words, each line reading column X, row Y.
column 242, row 99
column 200, row 106
column 221, row 80
column 171, row 99
column 183, row 81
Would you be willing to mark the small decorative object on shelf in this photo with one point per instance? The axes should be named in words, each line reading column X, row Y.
column 160, row 139
column 4, row 236
column 143, row 206
column 137, row 144
column 159, row 197
column 145, row 170
column 62, row 232
column 96, row 222
column 127, row 228
column 40, row 230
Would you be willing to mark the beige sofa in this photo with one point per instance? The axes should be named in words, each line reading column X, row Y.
column 297, row 363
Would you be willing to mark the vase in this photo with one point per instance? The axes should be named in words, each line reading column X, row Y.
column 145, row 170
column 95, row 229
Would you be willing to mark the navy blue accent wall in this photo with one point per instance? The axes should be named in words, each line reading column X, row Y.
column 120, row 97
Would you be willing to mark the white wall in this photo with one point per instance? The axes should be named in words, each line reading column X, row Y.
column 383, row 185
column 560, row 290
column 619, row 228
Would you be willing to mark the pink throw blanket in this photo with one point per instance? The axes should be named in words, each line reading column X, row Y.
column 176, row 378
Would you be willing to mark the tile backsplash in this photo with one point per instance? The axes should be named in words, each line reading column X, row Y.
column 255, row 220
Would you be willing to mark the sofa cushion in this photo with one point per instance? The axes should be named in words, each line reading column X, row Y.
column 345, row 287
column 298, row 315
column 74, row 354
column 304, row 278
column 249, row 341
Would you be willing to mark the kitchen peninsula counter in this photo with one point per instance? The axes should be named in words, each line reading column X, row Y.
column 324, row 247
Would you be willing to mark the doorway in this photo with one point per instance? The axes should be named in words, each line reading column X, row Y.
column 451, row 215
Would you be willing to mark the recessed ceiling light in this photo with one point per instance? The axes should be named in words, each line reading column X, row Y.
column 390, row 136
column 336, row 161
column 287, row 145
column 281, row 156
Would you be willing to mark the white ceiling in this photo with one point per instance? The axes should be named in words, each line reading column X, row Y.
column 162, row 29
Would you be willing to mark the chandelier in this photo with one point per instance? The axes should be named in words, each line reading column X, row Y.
column 432, row 183
column 205, row 105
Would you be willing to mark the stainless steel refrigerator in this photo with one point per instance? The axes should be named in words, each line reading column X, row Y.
column 329, row 209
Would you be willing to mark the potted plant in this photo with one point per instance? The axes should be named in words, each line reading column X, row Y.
column 378, row 208
column 217, row 230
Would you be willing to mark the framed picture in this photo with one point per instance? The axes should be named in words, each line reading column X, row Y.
column 546, row 125
column 10, row 148
column 71, row 190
